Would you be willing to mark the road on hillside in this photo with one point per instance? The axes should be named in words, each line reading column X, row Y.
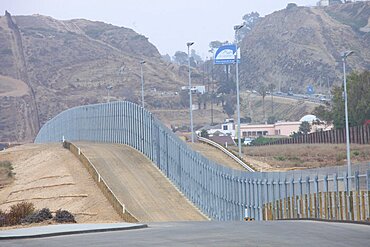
column 145, row 191
column 212, row 233
column 216, row 155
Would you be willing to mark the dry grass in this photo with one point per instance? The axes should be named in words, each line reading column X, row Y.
column 308, row 155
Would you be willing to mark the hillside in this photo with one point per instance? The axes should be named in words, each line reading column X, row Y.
column 301, row 46
column 51, row 176
column 68, row 63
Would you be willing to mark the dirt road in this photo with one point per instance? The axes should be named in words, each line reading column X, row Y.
column 144, row 190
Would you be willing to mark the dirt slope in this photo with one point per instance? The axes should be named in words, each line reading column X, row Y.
column 144, row 190
column 50, row 176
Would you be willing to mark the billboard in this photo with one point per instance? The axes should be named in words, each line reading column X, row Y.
column 226, row 55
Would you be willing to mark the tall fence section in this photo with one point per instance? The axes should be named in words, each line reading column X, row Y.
column 219, row 192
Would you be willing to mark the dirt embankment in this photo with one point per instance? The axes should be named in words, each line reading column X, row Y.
column 50, row 176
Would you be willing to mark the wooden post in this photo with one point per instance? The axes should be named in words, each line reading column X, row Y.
column 335, row 205
column 345, row 204
column 363, row 210
column 315, row 209
column 341, row 205
column 351, row 205
column 358, row 206
column 330, row 214
column 320, row 204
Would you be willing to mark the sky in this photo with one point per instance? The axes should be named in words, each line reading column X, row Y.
column 169, row 24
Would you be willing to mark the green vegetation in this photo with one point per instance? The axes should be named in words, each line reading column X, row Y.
column 7, row 166
column 305, row 128
column 204, row 134
column 263, row 140
column 358, row 85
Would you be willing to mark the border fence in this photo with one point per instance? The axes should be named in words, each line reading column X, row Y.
column 219, row 192
column 357, row 134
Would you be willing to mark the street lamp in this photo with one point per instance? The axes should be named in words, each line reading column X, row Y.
column 108, row 89
column 344, row 56
column 237, row 28
column 190, row 96
column 142, row 83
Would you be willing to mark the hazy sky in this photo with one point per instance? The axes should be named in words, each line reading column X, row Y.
column 168, row 24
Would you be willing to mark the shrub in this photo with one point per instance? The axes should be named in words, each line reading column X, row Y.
column 43, row 214
column 63, row 216
column 3, row 221
column 340, row 157
column 18, row 212
column 280, row 158
column 8, row 166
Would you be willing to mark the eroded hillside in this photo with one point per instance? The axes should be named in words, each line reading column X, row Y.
column 70, row 63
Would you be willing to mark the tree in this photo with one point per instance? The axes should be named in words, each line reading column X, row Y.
column 197, row 59
column 214, row 45
column 250, row 20
column 271, row 120
column 180, row 58
column 204, row 133
column 245, row 119
column 229, row 106
column 271, row 88
column 305, row 128
column 262, row 92
column 291, row 6
column 184, row 98
column 358, row 85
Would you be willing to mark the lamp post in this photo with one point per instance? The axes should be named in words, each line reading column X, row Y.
column 190, row 96
column 142, row 83
column 237, row 28
column 344, row 56
column 108, row 89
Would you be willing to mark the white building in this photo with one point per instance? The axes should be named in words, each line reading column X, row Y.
column 195, row 89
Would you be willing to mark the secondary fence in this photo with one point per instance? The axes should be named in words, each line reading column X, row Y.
column 219, row 192
column 357, row 134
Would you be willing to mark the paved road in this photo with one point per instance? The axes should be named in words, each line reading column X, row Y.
column 282, row 233
column 137, row 183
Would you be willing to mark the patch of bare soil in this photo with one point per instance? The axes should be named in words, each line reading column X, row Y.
column 12, row 87
column 50, row 176
column 300, row 156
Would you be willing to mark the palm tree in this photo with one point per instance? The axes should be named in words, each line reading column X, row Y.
column 271, row 89
column 262, row 90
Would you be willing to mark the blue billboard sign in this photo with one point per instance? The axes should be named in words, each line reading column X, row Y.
column 226, row 55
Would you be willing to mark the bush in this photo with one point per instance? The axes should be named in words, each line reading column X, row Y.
column 16, row 214
column 43, row 214
column 3, row 221
column 63, row 216
column 8, row 166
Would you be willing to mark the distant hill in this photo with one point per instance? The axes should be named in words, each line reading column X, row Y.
column 301, row 46
column 61, row 64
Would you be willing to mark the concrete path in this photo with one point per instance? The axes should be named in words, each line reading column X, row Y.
column 213, row 233
column 66, row 229
column 145, row 191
